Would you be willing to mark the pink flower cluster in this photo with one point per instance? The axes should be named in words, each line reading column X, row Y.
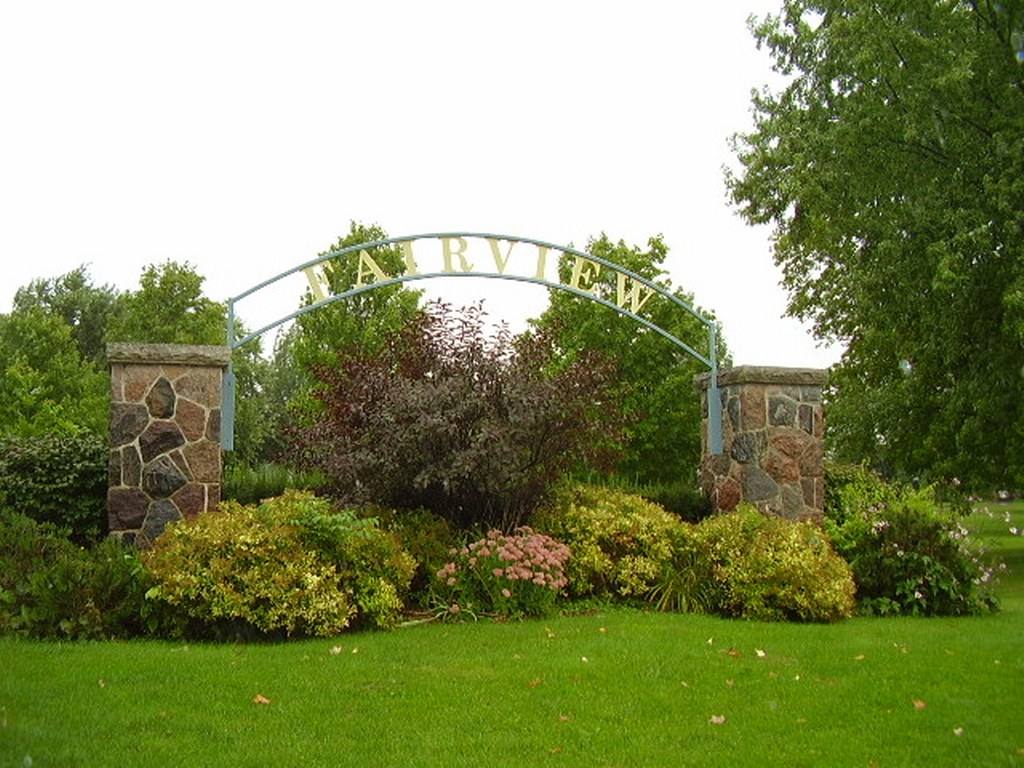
column 524, row 556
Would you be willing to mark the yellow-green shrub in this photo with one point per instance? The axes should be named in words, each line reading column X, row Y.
column 619, row 541
column 294, row 564
column 771, row 569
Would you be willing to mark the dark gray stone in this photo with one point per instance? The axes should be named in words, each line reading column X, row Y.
column 159, row 515
column 757, row 485
column 792, row 501
column 782, row 411
column 806, row 418
column 114, row 469
column 161, row 478
column 733, row 410
column 160, row 437
column 810, row 394
column 748, row 447
column 131, row 466
column 126, row 508
column 127, row 421
column 161, row 399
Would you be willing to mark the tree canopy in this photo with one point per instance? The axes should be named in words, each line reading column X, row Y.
column 655, row 377
column 891, row 165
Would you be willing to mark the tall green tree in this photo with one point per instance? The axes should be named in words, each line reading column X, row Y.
column 655, row 376
column 365, row 320
column 45, row 385
column 85, row 308
column 169, row 308
column 891, row 164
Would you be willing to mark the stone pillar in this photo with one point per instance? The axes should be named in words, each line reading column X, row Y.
column 773, row 439
column 165, row 460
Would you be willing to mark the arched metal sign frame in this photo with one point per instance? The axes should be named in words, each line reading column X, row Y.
column 626, row 280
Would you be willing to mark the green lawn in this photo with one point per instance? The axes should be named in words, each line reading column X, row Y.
column 614, row 688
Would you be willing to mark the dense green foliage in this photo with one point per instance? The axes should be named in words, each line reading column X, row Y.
column 891, row 164
column 168, row 308
column 52, row 588
column 84, row 308
column 744, row 564
column 293, row 565
column 909, row 554
column 770, row 569
column 618, row 540
column 444, row 417
column 655, row 378
column 58, row 479
column 45, row 384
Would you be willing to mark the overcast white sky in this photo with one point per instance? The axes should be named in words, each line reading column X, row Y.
column 243, row 137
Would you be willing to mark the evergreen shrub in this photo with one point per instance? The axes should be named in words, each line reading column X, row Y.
column 59, row 479
column 52, row 588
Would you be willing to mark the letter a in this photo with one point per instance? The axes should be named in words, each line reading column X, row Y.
column 367, row 267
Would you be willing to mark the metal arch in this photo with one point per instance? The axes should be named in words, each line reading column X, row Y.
column 714, row 403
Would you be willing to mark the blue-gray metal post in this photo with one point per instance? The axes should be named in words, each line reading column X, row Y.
column 714, row 397
column 227, row 394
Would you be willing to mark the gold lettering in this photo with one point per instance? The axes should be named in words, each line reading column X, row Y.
column 411, row 268
column 460, row 251
column 633, row 297
column 499, row 261
column 319, row 285
column 584, row 273
column 367, row 267
column 542, row 262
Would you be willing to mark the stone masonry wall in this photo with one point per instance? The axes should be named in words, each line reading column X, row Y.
column 165, row 460
column 773, row 436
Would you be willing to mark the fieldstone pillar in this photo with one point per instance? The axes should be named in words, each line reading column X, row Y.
column 773, row 436
column 165, row 460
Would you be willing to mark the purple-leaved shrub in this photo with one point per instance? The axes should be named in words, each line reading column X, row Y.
column 518, row 574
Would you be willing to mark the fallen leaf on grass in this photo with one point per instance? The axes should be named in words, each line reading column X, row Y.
column 259, row 698
column 859, row 658
column 336, row 650
column 918, row 704
column 760, row 654
column 717, row 720
column 535, row 682
column 732, row 652
column 584, row 659
column 564, row 718
column 960, row 732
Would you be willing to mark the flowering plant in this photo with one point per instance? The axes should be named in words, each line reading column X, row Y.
column 518, row 574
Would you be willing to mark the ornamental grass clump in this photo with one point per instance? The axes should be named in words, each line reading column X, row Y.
column 513, row 575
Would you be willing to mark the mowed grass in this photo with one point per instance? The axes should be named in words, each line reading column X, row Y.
column 616, row 687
